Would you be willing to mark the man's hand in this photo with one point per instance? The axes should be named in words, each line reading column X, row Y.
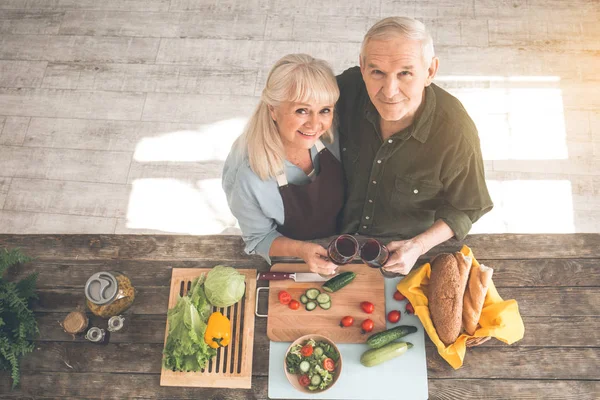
column 403, row 255
column 316, row 257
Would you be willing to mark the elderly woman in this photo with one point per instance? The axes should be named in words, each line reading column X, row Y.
column 283, row 178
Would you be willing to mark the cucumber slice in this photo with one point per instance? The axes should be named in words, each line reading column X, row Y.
column 323, row 298
column 325, row 306
column 312, row 293
column 318, row 351
column 315, row 380
column 303, row 299
column 311, row 305
column 304, row 366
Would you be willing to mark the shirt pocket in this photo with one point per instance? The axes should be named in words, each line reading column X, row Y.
column 417, row 194
column 350, row 155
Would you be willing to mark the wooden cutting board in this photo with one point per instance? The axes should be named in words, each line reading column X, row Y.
column 286, row 325
column 232, row 366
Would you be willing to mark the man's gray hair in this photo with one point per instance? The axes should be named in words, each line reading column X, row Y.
column 409, row 28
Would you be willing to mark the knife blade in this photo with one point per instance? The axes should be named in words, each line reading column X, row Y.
column 296, row 276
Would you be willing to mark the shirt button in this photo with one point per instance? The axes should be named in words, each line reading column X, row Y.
column 364, row 227
column 416, row 191
column 378, row 161
column 370, row 201
column 367, row 217
column 390, row 141
column 374, row 182
column 344, row 149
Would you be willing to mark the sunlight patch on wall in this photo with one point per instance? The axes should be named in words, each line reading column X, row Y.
column 209, row 142
column 175, row 206
column 518, row 117
column 528, row 206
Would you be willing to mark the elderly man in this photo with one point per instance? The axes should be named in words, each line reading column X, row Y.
column 411, row 153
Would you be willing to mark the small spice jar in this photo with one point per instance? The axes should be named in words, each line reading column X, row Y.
column 116, row 324
column 109, row 293
column 75, row 323
column 97, row 335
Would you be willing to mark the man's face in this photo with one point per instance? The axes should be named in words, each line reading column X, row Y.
column 395, row 76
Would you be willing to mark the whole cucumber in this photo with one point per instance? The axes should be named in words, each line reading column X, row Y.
column 373, row 357
column 380, row 339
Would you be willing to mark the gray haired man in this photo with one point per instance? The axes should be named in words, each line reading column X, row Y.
column 411, row 153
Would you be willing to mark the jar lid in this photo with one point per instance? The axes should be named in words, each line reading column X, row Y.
column 95, row 334
column 116, row 323
column 101, row 288
column 75, row 322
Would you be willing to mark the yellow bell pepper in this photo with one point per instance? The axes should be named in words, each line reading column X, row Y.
column 218, row 331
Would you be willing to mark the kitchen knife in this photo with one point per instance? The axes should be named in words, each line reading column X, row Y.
column 296, row 276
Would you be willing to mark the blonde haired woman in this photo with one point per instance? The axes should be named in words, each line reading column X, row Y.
column 283, row 178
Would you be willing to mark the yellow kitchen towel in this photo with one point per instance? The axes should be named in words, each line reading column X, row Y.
column 499, row 318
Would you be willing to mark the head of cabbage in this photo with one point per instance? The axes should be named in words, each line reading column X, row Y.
column 224, row 286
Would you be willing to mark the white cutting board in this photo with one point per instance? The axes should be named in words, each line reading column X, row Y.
column 403, row 377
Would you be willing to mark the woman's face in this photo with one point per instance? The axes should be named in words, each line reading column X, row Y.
column 300, row 124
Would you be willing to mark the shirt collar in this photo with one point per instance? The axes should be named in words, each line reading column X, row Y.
column 420, row 127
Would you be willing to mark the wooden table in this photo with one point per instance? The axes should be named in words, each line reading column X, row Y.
column 555, row 279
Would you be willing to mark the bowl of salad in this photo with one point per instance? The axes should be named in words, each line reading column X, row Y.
column 312, row 364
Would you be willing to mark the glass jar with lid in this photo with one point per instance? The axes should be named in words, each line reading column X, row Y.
column 109, row 293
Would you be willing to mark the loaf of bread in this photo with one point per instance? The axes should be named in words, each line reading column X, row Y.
column 479, row 280
column 447, row 283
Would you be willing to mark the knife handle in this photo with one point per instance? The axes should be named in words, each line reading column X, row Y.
column 273, row 276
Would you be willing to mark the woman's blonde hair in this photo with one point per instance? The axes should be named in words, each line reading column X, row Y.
column 294, row 78
column 405, row 27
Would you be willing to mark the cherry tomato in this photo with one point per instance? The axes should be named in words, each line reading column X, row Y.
column 328, row 364
column 409, row 309
column 367, row 307
column 284, row 297
column 346, row 321
column 306, row 351
column 367, row 326
column 399, row 296
column 294, row 304
column 304, row 380
column 394, row 316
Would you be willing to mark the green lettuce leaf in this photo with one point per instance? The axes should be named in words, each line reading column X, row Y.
column 199, row 299
column 185, row 349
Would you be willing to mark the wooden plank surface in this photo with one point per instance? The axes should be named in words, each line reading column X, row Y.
column 230, row 248
column 560, row 302
column 50, row 385
column 565, row 331
column 508, row 273
column 506, row 362
column 554, row 278
column 287, row 325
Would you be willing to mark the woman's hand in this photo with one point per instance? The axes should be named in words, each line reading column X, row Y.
column 315, row 256
column 403, row 255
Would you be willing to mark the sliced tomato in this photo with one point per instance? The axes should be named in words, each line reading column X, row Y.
column 294, row 304
column 399, row 296
column 306, row 351
column 284, row 297
column 304, row 380
column 329, row 364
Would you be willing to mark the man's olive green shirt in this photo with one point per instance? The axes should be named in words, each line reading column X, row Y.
column 400, row 186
